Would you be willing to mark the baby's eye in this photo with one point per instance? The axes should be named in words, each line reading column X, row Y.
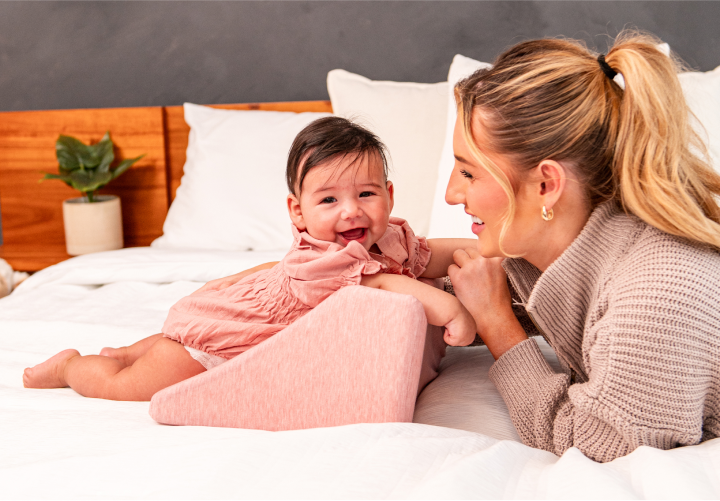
column 328, row 200
column 366, row 194
column 466, row 174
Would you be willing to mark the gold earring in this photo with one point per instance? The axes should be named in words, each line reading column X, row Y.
column 547, row 215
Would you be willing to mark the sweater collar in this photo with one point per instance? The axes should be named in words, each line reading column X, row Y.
column 560, row 299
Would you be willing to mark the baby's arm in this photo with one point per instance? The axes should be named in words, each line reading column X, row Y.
column 442, row 250
column 440, row 307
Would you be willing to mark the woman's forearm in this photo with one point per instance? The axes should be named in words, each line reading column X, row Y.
column 499, row 330
column 441, row 257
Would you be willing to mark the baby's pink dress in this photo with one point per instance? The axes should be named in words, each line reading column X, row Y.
column 228, row 322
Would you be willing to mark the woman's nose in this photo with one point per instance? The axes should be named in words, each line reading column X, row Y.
column 455, row 192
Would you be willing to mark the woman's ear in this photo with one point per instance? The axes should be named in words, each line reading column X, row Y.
column 293, row 205
column 391, row 193
column 550, row 182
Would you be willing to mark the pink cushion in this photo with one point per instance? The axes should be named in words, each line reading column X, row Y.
column 356, row 358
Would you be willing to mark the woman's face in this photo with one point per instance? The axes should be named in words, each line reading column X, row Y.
column 485, row 200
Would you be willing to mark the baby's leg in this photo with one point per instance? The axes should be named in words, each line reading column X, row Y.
column 166, row 362
column 128, row 354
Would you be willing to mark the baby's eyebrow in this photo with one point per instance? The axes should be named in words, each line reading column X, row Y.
column 330, row 188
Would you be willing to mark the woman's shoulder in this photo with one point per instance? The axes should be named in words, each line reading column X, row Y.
column 660, row 267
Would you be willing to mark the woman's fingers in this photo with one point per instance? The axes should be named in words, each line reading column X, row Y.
column 464, row 256
column 461, row 257
column 472, row 252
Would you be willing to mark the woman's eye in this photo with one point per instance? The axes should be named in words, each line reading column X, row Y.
column 466, row 174
column 366, row 194
column 328, row 200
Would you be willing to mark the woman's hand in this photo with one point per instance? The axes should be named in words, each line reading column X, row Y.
column 481, row 285
column 224, row 283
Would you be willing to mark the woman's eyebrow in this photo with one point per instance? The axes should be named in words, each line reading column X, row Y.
column 462, row 160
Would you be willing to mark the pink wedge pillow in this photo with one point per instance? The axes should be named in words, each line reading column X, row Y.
column 356, row 358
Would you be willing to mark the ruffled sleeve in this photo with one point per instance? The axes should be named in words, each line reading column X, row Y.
column 316, row 269
column 403, row 253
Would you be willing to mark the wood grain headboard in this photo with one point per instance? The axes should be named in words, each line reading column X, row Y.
column 31, row 212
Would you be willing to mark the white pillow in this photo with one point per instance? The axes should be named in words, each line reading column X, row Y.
column 410, row 119
column 702, row 92
column 464, row 398
column 450, row 221
column 232, row 193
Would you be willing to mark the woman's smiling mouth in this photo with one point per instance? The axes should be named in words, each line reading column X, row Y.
column 477, row 225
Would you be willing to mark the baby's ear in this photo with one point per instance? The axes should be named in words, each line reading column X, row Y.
column 391, row 193
column 293, row 205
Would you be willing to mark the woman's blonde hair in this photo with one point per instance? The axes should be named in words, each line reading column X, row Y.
column 550, row 99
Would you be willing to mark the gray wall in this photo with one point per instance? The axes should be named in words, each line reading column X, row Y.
column 101, row 54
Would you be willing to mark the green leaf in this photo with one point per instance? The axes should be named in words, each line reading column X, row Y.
column 103, row 151
column 73, row 154
column 63, row 178
column 89, row 180
column 124, row 165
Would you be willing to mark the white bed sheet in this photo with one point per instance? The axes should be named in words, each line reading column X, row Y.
column 56, row 444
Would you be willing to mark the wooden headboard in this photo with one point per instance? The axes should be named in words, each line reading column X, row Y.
column 31, row 212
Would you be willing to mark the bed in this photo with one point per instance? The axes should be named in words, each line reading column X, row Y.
column 56, row 444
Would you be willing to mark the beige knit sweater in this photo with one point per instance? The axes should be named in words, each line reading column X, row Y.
column 633, row 313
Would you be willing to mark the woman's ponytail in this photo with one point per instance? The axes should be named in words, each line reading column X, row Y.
column 660, row 163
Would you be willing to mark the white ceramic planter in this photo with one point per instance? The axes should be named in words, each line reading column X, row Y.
column 92, row 227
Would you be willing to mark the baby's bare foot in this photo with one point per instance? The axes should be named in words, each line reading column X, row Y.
column 119, row 354
column 50, row 373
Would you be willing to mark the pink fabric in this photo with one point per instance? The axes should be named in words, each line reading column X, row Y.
column 229, row 322
column 356, row 358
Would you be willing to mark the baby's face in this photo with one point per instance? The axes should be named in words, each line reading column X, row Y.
column 342, row 201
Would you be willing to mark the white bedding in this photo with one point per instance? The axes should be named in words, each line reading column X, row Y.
column 56, row 444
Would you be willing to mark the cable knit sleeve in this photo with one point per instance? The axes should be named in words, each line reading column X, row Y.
column 649, row 351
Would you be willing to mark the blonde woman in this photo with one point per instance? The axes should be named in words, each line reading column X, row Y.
column 589, row 191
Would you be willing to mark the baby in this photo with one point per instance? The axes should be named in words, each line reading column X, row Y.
column 339, row 202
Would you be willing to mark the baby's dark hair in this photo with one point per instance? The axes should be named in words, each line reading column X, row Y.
column 325, row 139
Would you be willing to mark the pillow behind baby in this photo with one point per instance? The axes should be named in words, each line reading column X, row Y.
column 232, row 193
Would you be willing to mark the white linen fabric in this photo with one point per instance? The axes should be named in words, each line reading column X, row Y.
column 464, row 398
column 232, row 193
column 57, row 444
column 410, row 119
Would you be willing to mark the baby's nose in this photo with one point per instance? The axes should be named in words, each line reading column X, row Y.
column 351, row 210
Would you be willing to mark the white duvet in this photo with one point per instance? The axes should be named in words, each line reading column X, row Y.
column 56, row 444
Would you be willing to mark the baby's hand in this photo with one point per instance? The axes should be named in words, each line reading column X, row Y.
column 460, row 330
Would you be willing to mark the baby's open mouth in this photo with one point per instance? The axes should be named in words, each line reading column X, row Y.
column 354, row 234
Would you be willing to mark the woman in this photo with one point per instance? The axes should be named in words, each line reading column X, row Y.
column 583, row 171
column 587, row 196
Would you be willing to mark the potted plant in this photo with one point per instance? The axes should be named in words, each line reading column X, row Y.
column 93, row 222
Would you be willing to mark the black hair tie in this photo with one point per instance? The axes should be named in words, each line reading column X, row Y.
column 611, row 73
